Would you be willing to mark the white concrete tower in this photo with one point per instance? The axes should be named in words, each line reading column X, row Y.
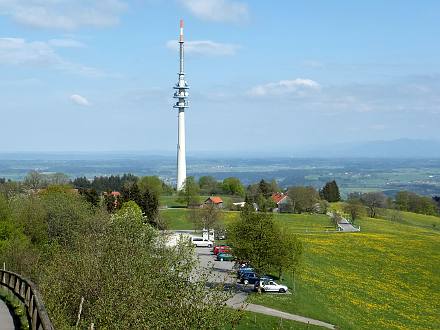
column 181, row 95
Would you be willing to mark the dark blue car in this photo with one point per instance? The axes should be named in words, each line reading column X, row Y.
column 242, row 271
column 249, row 278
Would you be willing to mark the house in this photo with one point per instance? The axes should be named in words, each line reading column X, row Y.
column 115, row 196
column 282, row 201
column 215, row 200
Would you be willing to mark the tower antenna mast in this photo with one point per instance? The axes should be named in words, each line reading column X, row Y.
column 181, row 94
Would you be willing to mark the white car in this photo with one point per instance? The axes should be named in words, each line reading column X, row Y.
column 201, row 242
column 272, row 286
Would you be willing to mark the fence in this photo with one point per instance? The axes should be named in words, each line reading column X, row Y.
column 26, row 291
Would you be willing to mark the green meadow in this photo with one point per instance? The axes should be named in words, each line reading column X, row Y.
column 385, row 277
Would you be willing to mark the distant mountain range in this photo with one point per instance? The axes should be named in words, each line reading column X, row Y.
column 401, row 148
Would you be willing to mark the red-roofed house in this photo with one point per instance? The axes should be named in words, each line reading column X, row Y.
column 282, row 201
column 217, row 201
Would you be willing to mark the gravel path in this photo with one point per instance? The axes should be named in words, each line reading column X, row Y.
column 6, row 320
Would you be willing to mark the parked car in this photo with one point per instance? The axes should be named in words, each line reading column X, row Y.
column 244, row 270
column 221, row 249
column 225, row 257
column 201, row 242
column 270, row 286
column 249, row 278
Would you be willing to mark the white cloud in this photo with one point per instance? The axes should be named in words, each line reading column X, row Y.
column 297, row 87
column 66, row 43
column 205, row 47
column 63, row 14
column 79, row 100
column 217, row 10
column 18, row 51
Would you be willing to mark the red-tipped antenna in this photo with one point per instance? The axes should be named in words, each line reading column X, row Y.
column 181, row 30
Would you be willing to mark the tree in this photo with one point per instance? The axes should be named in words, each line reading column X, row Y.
column 190, row 192
column 402, row 200
column 208, row 185
column 151, row 183
column 82, row 183
column 303, row 198
column 288, row 256
column 256, row 238
column 34, row 180
column 57, row 179
column 373, row 201
column 233, row 186
column 130, row 192
column 207, row 217
column 411, row 202
column 112, row 202
column 354, row 208
column 330, row 192
column 265, row 188
column 129, row 280
column 149, row 204
column 90, row 195
column 436, row 199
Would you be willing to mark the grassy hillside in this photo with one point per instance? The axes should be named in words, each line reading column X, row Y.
column 386, row 277
column 179, row 219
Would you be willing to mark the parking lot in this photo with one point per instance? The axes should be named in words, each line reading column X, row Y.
column 220, row 271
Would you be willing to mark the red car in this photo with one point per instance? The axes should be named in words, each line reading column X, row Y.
column 221, row 249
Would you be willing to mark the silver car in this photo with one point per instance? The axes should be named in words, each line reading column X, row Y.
column 272, row 286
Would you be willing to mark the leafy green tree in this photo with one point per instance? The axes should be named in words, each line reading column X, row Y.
column 130, row 192
column 354, row 208
column 303, row 198
column 67, row 214
column 373, row 201
column 150, row 207
column 265, row 188
column 11, row 188
column 34, row 180
column 130, row 280
column 151, row 183
column 190, row 192
column 208, row 185
column 288, row 254
column 57, row 179
column 256, row 238
column 208, row 217
column 90, row 195
column 82, row 183
column 330, row 192
column 233, row 186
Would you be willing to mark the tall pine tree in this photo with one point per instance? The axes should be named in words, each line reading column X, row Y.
column 330, row 192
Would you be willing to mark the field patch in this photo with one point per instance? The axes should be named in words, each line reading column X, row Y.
column 386, row 277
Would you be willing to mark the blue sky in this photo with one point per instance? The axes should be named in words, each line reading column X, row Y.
column 264, row 75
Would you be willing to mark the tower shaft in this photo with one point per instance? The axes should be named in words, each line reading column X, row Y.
column 181, row 95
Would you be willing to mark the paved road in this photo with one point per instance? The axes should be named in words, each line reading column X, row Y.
column 221, row 273
column 6, row 320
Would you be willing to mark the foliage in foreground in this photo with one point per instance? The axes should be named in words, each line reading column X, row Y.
column 118, row 264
